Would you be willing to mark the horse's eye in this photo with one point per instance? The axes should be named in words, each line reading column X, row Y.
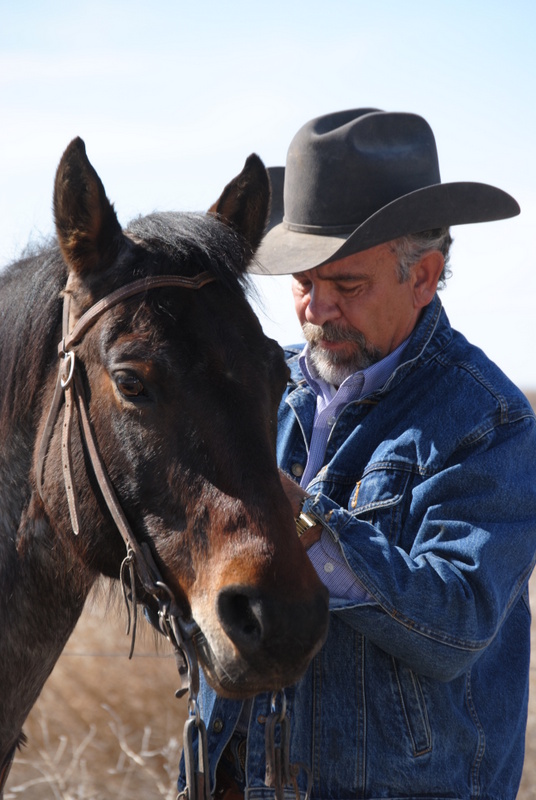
column 129, row 385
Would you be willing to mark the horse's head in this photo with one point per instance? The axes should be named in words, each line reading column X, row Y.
column 183, row 389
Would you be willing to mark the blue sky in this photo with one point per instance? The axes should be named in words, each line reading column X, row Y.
column 171, row 96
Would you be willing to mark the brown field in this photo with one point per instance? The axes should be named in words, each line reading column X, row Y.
column 105, row 727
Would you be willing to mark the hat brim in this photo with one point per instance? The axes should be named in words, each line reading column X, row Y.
column 284, row 251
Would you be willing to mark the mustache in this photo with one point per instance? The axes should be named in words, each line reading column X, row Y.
column 330, row 332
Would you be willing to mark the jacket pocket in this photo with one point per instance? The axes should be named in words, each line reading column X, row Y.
column 414, row 709
column 381, row 497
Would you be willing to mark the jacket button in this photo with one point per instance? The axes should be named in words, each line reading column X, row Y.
column 217, row 726
column 297, row 470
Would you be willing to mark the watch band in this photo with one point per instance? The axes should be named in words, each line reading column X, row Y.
column 304, row 521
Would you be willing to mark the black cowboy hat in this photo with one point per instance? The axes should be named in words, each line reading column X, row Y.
column 356, row 179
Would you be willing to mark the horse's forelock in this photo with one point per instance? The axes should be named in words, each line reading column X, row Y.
column 196, row 242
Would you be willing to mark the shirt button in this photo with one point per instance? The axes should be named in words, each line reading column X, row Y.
column 297, row 470
column 332, row 421
column 328, row 567
column 217, row 726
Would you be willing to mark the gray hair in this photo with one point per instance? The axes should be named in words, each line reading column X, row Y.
column 411, row 248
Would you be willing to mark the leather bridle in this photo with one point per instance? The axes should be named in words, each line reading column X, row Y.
column 69, row 391
column 69, row 388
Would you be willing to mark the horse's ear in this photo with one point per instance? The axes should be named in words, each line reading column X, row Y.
column 245, row 201
column 88, row 231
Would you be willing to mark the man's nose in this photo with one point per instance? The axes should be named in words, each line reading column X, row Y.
column 321, row 307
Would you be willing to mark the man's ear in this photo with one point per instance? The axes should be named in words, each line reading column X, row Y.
column 426, row 274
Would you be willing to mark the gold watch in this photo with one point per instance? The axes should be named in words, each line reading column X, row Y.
column 304, row 521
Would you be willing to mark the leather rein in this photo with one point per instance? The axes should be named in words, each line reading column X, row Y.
column 69, row 391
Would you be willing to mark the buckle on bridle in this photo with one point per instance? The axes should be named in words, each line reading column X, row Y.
column 67, row 367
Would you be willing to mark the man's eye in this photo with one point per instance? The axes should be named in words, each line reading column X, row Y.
column 349, row 288
column 129, row 385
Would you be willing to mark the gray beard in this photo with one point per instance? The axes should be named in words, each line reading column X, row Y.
column 334, row 368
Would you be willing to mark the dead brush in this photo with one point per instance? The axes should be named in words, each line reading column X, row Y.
column 57, row 766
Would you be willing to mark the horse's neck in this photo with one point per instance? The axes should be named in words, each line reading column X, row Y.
column 42, row 585
column 42, row 597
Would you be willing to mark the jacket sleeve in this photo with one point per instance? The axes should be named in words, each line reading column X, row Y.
column 440, row 601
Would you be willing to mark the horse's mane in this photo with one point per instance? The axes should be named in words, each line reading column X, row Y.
column 30, row 309
column 30, row 294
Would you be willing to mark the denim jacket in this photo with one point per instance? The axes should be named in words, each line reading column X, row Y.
column 429, row 487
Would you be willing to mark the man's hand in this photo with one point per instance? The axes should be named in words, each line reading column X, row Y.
column 296, row 496
column 293, row 491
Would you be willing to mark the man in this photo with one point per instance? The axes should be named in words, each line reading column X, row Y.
column 413, row 464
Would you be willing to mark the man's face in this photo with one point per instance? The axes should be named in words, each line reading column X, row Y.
column 355, row 311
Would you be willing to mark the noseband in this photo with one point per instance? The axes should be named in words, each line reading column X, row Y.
column 139, row 561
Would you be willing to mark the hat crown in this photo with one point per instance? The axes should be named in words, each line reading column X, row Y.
column 343, row 167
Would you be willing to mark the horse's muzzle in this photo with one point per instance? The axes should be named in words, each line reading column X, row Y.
column 269, row 641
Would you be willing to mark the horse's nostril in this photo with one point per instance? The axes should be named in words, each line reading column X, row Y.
column 241, row 617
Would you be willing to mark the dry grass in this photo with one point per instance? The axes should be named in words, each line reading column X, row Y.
column 106, row 728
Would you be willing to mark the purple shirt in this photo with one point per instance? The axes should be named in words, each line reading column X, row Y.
column 326, row 555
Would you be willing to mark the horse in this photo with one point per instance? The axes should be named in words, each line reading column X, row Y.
column 148, row 454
